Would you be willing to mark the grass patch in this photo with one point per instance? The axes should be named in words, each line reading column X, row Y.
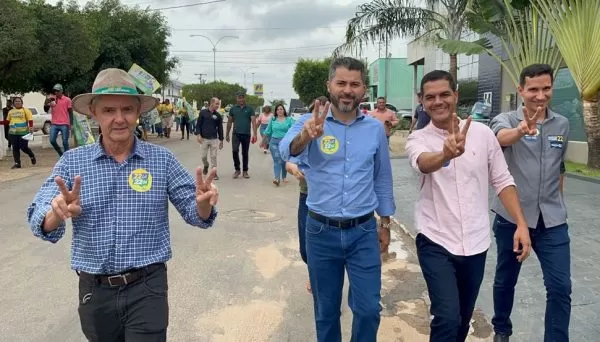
column 582, row 169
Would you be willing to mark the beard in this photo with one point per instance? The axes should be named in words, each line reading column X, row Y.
column 344, row 108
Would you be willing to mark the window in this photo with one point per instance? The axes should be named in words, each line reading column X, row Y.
column 567, row 102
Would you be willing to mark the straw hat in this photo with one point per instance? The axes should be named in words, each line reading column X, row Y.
column 112, row 81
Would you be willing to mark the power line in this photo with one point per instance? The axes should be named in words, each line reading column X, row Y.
column 241, row 62
column 255, row 28
column 262, row 50
column 188, row 5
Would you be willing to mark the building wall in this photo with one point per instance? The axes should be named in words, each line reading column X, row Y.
column 490, row 77
column 400, row 77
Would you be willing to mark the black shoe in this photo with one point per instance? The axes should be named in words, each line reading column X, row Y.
column 33, row 161
column 205, row 170
column 16, row 166
column 500, row 338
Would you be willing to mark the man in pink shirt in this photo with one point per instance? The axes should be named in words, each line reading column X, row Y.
column 457, row 159
column 386, row 116
column 62, row 117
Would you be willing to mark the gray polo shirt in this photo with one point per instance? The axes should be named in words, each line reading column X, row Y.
column 535, row 164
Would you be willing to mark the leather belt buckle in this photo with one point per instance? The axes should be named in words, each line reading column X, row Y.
column 115, row 278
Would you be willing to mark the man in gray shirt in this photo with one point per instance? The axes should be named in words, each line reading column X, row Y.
column 534, row 140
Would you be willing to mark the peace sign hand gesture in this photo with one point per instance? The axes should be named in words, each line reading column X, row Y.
column 454, row 146
column 207, row 194
column 529, row 125
column 313, row 127
column 66, row 204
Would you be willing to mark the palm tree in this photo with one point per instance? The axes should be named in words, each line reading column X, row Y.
column 576, row 29
column 383, row 20
column 525, row 38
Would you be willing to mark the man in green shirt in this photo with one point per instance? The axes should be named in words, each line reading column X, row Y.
column 241, row 117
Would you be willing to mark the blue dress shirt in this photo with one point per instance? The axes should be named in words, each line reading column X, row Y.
column 124, row 221
column 347, row 169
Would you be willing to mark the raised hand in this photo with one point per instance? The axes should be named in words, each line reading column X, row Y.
column 207, row 194
column 67, row 204
column 313, row 127
column 529, row 124
column 454, row 146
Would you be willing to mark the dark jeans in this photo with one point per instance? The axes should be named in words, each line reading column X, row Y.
column 453, row 282
column 64, row 132
column 138, row 312
column 329, row 251
column 302, row 213
column 19, row 144
column 185, row 127
column 6, row 136
column 244, row 140
column 552, row 247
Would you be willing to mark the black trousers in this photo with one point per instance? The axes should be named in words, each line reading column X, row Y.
column 185, row 127
column 137, row 312
column 453, row 283
column 244, row 140
column 19, row 144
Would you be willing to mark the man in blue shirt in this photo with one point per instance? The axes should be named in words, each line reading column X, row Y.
column 117, row 193
column 348, row 172
column 421, row 118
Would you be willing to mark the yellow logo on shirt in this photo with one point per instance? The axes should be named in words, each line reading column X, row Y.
column 140, row 180
column 329, row 144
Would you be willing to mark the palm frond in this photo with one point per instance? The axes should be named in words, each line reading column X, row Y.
column 576, row 30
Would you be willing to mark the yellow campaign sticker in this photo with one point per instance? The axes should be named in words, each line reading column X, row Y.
column 140, row 180
column 329, row 144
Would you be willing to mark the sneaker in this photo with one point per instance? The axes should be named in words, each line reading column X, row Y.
column 236, row 175
column 205, row 170
column 16, row 166
column 246, row 175
column 33, row 161
column 276, row 182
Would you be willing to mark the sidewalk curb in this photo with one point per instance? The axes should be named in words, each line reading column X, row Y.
column 583, row 178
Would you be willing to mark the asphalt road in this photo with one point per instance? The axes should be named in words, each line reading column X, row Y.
column 242, row 280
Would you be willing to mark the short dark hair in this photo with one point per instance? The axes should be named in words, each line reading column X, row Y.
column 350, row 64
column 535, row 70
column 381, row 98
column 437, row 75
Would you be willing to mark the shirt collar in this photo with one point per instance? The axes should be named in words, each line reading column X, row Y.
column 359, row 116
column 99, row 152
column 521, row 115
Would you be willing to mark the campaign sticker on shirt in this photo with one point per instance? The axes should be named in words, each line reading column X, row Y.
column 446, row 164
column 534, row 137
column 556, row 141
column 214, row 117
column 329, row 144
column 140, row 180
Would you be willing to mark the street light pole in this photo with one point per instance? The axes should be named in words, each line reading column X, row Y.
column 244, row 71
column 214, row 51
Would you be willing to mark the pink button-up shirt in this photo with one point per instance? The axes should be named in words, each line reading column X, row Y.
column 452, row 209
column 386, row 116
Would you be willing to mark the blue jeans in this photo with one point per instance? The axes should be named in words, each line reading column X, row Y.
column 453, row 283
column 302, row 213
column 330, row 250
column 278, row 162
column 64, row 132
column 552, row 247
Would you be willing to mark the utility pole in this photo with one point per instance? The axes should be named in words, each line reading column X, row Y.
column 387, row 68
column 200, row 78
column 214, row 51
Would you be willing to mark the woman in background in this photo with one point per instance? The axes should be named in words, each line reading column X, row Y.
column 20, row 123
column 275, row 131
column 263, row 121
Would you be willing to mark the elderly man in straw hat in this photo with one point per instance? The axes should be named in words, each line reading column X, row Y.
column 116, row 193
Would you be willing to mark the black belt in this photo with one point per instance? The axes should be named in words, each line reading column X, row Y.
column 121, row 279
column 349, row 223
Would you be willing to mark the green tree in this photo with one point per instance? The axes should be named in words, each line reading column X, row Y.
column 276, row 102
column 383, row 20
column 223, row 90
column 576, row 30
column 18, row 46
column 310, row 79
column 67, row 48
column 468, row 92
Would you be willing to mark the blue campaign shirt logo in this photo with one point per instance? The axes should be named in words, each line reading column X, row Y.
column 446, row 164
column 556, row 141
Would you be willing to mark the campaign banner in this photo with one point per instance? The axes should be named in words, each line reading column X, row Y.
column 82, row 129
column 143, row 80
column 258, row 90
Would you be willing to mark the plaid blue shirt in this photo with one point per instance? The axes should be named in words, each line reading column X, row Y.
column 124, row 222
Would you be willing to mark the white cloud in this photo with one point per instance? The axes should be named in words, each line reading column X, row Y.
column 273, row 34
